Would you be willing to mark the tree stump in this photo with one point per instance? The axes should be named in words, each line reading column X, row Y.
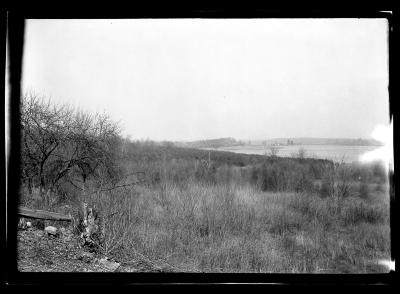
column 91, row 227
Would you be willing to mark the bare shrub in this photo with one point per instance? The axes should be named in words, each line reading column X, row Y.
column 336, row 182
column 272, row 151
column 363, row 190
column 300, row 154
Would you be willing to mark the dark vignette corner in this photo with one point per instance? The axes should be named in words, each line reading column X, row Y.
column 15, row 36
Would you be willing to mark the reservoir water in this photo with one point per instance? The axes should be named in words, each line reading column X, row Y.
column 332, row 152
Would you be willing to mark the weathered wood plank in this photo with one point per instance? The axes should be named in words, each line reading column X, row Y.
column 42, row 214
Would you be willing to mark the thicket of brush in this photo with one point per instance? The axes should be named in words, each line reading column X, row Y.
column 201, row 211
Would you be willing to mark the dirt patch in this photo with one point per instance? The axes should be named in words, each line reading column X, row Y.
column 42, row 252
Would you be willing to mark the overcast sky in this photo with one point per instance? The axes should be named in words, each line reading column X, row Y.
column 189, row 79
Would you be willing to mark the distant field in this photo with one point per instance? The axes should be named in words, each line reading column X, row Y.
column 331, row 152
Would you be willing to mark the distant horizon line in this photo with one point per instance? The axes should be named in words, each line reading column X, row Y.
column 256, row 139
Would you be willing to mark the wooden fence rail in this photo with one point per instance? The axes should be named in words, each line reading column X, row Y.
column 42, row 214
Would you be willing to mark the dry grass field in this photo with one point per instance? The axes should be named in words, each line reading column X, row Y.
column 230, row 228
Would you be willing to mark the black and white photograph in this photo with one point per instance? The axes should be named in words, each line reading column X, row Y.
column 202, row 145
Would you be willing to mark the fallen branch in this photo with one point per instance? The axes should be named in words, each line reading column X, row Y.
column 42, row 214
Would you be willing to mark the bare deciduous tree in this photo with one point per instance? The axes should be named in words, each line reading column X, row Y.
column 61, row 144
